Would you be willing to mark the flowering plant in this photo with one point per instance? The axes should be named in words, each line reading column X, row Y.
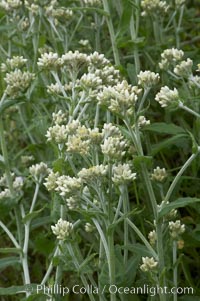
column 98, row 171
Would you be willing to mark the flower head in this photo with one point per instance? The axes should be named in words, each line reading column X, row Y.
column 148, row 264
column 62, row 229
column 167, row 97
column 122, row 173
column 159, row 174
column 147, row 79
column 176, row 229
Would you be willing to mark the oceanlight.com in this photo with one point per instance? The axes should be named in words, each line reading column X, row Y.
column 113, row 289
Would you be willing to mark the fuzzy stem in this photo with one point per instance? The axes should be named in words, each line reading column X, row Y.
column 182, row 106
column 12, row 238
column 146, row 92
column 178, row 176
column 141, row 236
column 111, row 31
column 175, row 280
column 50, row 268
column 35, row 197
column 76, row 263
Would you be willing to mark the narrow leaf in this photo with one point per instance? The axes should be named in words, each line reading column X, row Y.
column 179, row 203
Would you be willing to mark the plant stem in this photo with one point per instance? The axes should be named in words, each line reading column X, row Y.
column 50, row 268
column 160, row 251
column 135, row 51
column 178, row 176
column 76, row 263
column 5, row 157
column 175, row 280
column 141, row 236
column 24, row 257
column 34, row 197
column 111, row 31
column 146, row 92
column 111, row 262
column 12, row 238
column 9, row 178
column 124, row 193
column 182, row 106
column 102, row 236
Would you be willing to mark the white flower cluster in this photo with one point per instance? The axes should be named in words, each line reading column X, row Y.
column 59, row 117
column 176, row 229
column 159, row 174
column 18, row 82
column 39, row 170
column 170, row 56
column 184, row 69
column 14, row 63
column 32, row 7
column 26, row 159
column 51, row 179
column 17, row 182
column 152, row 237
column 9, row 5
column 95, row 136
column 57, row 133
column 148, row 264
column 110, row 130
column 66, row 185
column 74, row 59
column 142, row 121
column 49, row 60
column 79, row 142
column 122, row 173
column 84, row 42
column 90, row 81
column 108, row 74
column 92, row 2
column 147, row 79
column 72, row 203
column 120, row 98
column 154, row 7
column 96, row 59
column 89, row 228
column 62, row 229
column 167, row 97
column 58, row 12
column 5, row 193
column 55, row 88
column 180, row 2
column 114, row 147
column 93, row 173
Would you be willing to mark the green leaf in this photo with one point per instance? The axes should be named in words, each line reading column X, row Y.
column 8, row 261
column 12, row 290
column 194, row 143
column 84, row 265
column 8, row 103
column 164, row 128
column 41, row 221
column 30, row 216
column 58, row 165
column 137, row 161
column 179, row 203
column 10, row 250
column 125, row 273
column 175, row 140
column 139, row 249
